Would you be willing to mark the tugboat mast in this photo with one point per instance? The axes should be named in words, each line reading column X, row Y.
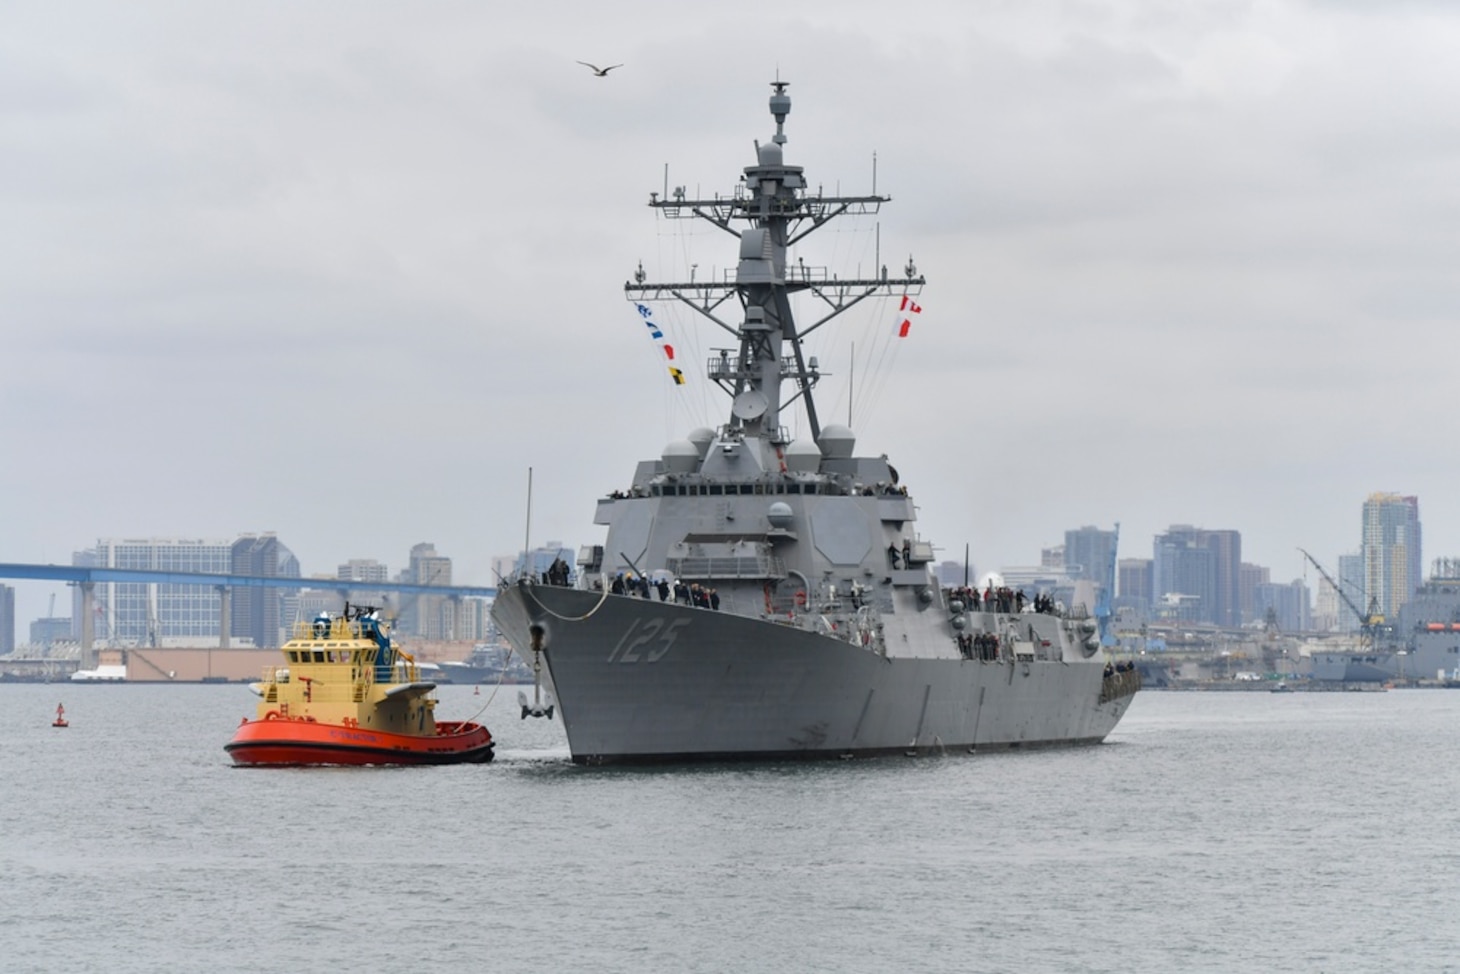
column 772, row 198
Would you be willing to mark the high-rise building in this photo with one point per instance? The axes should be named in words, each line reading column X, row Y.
column 1391, row 551
column 1327, row 607
column 146, row 613
column 362, row 570
column 1202, row 564
column 1182, row 568
column 1088, row 554
column 1226, row 546
column 1250, row 576
column 1351, row 583
column 473, row 619
column 1133, row 583
column 259, row 614
column 1290, row 605
column 84, row 559
column 7, row 620
column 427, row 616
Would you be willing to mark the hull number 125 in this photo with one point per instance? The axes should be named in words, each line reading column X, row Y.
column 646, row 642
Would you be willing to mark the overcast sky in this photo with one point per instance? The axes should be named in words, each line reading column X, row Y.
column 346, row 270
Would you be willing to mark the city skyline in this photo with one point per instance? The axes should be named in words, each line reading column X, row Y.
column 1190, row 268
column 140, row 612
column 1091, row 546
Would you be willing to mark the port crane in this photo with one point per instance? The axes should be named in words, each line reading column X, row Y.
column 1369, row 622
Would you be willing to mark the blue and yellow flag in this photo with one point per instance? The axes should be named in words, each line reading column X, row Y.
column 647, row 314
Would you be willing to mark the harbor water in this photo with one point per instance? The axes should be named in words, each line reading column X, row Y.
column 1212, row 832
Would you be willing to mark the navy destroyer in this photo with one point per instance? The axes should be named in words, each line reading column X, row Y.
column 760, row 595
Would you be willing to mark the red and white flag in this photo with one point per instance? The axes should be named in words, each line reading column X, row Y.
column 908, row 307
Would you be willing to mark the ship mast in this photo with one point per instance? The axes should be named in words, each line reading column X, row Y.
column 773, row 200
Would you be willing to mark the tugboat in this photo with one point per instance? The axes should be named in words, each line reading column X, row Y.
column 347, row 695
column 806, row 620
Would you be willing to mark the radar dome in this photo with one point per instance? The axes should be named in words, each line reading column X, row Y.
column 803, row 456
column 779, row 515
column 681, row 456
column 702, row 437
column 837, row 441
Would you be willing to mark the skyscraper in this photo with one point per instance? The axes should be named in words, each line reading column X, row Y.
column 145, row 613
column 1204, row 564
column 1180, row 566
column 1088, row 554
column 1250, row 576
column 1391, row 551
column 427, row 616
column 362, row 570
column 1351, row 582
column 1226, row 547
column 7, row 620
column 258, row 613
column 1135, row 583
column 1290, row 605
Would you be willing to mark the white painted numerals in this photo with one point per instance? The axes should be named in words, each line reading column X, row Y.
column 646, row 642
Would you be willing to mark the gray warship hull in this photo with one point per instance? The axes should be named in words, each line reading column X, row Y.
column 640, row 681
column 1353, row 667
column 1424, row 643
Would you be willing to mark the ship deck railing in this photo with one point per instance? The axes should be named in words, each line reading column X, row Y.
column 710, row 567
column 1118, row 685
column 838, row 607
column 332, row 685
column 339, row 628
column 1077, row 612
column 702, row 487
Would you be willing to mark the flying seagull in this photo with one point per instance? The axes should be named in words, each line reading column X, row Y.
column 599, row 72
